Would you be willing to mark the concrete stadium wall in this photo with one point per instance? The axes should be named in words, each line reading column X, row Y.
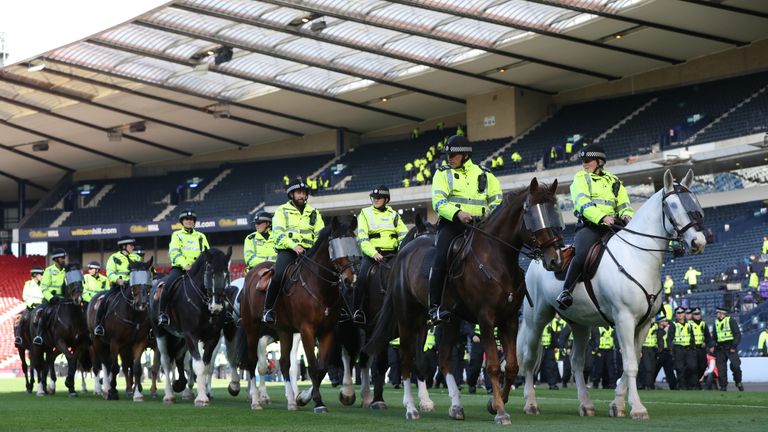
column 733, row 62
column 513, row 110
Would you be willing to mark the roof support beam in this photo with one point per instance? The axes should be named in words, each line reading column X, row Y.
column 169, row 101
column 89, row 125
column 308, row 62
column 382, row 51
column 191, row 93
column 536, row 30
column 36, row 86
column 641, row 22
column 729, row 8
column 39, row 159
column 65, row 142
column 491, row 50
column 264, row 81
column 19, row 179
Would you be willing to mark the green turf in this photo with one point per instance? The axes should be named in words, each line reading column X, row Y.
column 701, row 411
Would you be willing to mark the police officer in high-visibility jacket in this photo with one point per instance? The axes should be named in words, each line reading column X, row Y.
column 52, row 285
column 185, row 247
column 259, row 246
column 461, row 192
column 118, row 275
column 549, row 338
column 604, row 366
column 600, row 201
column 683, row 342
column 93, row 282
column 701, row 339
column 379, row 233
column 295, row 227
column 32, row 296
column 726, row 348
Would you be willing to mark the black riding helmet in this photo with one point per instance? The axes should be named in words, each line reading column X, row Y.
column 262, row 216
column 458, row 144
column 296, row 185
column 592, row 151
column 94, row 265
column 36, row 271
column 125, row 241
column 188, row 214
column 58, row 253
column 380, row 192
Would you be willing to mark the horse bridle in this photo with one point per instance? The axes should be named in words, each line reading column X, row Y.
column 210, row 279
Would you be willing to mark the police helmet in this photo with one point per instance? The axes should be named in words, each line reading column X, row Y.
column 380, row 192
column 592, row 151
column 125, row 240
column 36, row 271
column 58, row 253
column 457, row 144
column 296, row 185
column 94, row 265
column 262, row 216
column 188, row 214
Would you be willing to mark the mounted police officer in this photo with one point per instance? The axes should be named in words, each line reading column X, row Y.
column 93, row 283
column 379, row 233
column 52, row 286
column 32, row 296
column 259, row 246
column 118, row 275
column 461, row 192
column 295, row 227
column 600, row 201
column 185, row 247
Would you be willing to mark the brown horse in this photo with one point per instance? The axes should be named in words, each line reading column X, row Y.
column 64, row 333
column 372, row 367
column 127, row 326
column 309, row 303
column 485, row 283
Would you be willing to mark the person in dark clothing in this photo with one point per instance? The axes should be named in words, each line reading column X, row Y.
column 726, row 348
column 604, row 366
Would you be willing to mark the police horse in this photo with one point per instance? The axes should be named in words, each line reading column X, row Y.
column 625, row 293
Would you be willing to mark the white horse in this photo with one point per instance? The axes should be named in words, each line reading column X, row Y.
column 627, row 287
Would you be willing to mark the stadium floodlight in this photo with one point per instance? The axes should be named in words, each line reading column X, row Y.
column 36, row 65
column 114, row 135
column 40, row 146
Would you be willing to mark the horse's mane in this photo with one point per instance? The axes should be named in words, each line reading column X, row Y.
column 208, row 255
column 322, row 236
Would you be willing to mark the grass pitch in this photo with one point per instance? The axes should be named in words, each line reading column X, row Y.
column 695, row 410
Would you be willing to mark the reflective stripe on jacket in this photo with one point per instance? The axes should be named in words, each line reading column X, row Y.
column 593, row 196
column 379, row 230
column 53, row 282
column 257, row 249
column 291, row 227
column 458, row 189
column 186, row 247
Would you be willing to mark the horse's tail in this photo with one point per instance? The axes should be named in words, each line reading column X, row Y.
column 237, row 348
column 385, row 326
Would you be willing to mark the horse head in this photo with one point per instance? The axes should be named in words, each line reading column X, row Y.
column 683, row 211
column 544, row 221
column 344, row 251
column 73, row 279
column 216, row 276
column 140, row 283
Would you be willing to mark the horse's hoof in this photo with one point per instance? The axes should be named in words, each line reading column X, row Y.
column 72, row 394
column 615, row 411
column 532, row 410
column 40, row 394
column 292, row 407
column 586, row 412
column 256, row 407
column 320, row 410
column 187, row 395
column 233, row 390
column 265, row 400
column 456, row 412
column 427, row 406
column 378, row 405
column 178, row 386
column 640, row 415
column 412, row 415
column 491, row 409
column 347, row 400
column 503, row 419
column 169, row 400
column 138, row 398
column 113, row 395
column 153, row 395
column 304, row 397
column 201, row 402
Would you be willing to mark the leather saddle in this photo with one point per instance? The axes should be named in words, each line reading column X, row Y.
column 264, row 275
column 591, row 262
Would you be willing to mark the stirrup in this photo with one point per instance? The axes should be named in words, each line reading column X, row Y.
column 343, row 315
column 564, row 300
column 359, row 317
column 163, row 319
column 268, row 317
column 38, row 340
column 18, row 341
column 98, row 330
column 438, row 314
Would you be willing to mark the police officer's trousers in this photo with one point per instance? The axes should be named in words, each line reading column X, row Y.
column 723, row 355
column 284, row 258
column 446, row 232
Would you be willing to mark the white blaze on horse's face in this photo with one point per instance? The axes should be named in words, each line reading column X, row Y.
column 683, row 210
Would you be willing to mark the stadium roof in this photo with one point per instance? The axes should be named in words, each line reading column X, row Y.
column 198, row 76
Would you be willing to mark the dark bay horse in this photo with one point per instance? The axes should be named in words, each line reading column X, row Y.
column 484, row 282
column 23, row 322
column 65, row 333
column 127, row 326
column 198, row 311
column 372, row 367
column 309, row 303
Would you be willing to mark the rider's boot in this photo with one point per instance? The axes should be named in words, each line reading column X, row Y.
column 565, row 299
column 436, row 312
column 99, row 329
column 162, row 317
column 358, row 317
column 38, row 340
column 269, row 302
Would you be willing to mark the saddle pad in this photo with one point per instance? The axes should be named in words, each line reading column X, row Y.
column 591, row 261
column 264, row 276
column 568, row 254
